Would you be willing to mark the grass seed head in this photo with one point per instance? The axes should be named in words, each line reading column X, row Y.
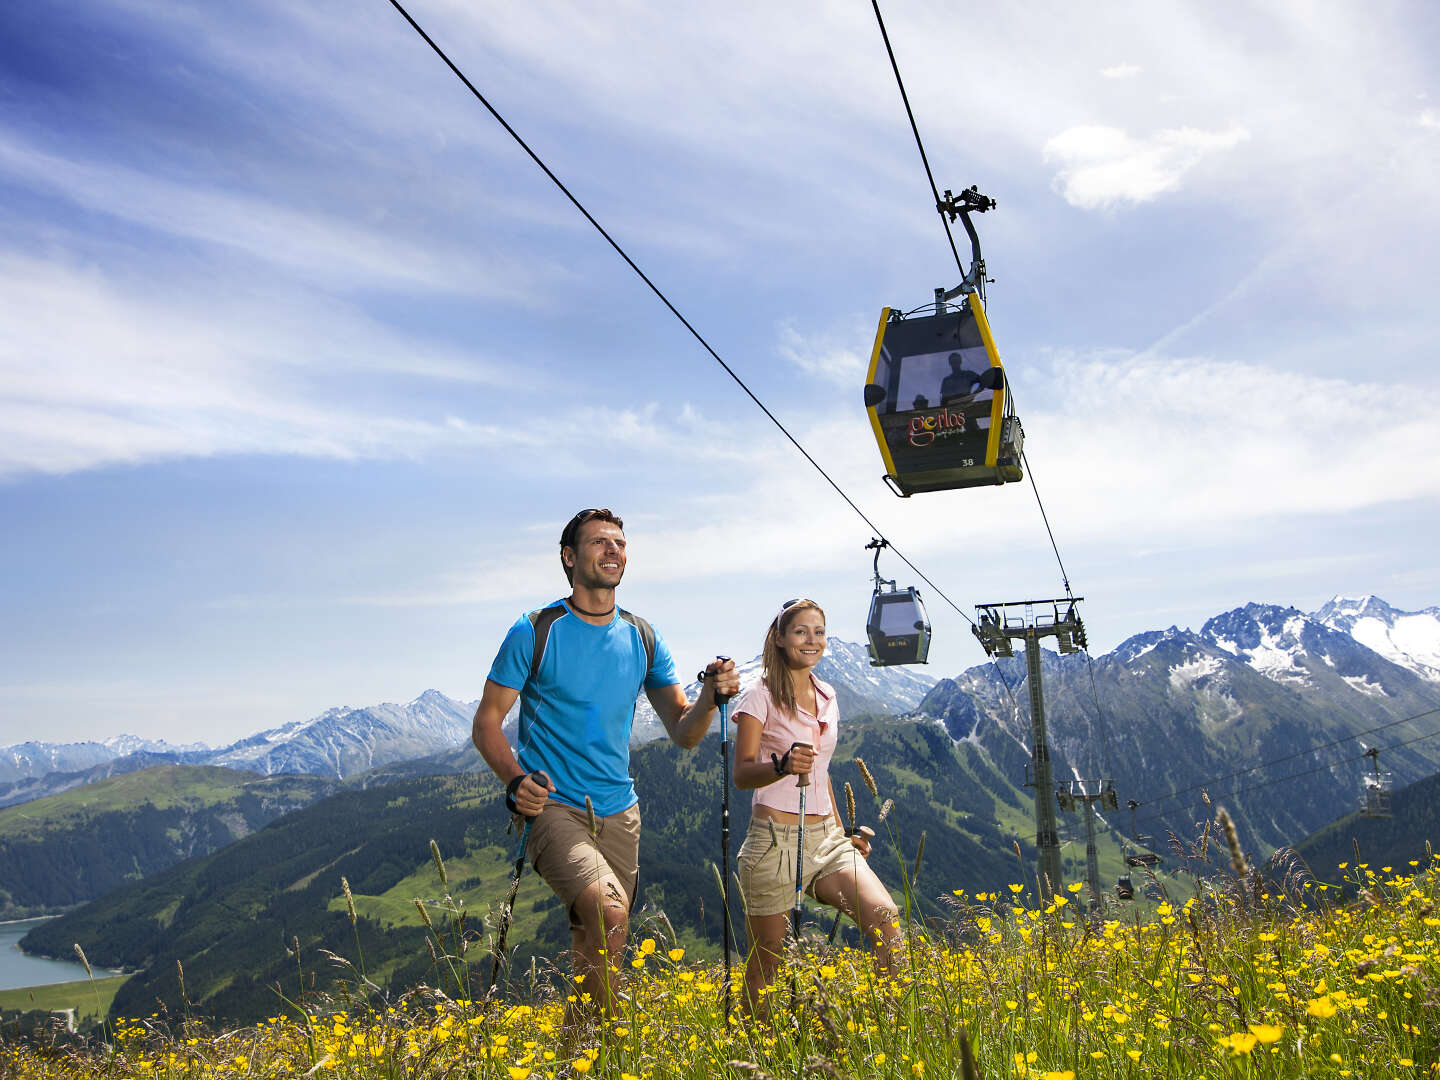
column 350, row 899
column 81, row 953
column 590, row 817
column 850, row 804
column 865, row 775
column 439, row 864
column 885, row 809
column 1232, row 841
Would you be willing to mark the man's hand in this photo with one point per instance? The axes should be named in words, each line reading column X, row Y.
column 721, row 677
column 529, row 792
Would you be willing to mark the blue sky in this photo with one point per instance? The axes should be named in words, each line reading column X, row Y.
column 303, row 364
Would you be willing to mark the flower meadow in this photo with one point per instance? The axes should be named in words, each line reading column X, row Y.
column 1236, row 981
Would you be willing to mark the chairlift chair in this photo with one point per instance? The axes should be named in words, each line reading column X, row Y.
column 1124, row 888
column 1375, row 797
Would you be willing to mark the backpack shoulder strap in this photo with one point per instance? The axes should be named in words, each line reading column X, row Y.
column 647, row 635
column 542, row 619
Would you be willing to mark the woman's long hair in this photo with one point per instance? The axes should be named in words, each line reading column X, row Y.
column 774, row 671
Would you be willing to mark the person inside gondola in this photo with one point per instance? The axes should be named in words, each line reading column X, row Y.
column 961, row 385
column 787, row 728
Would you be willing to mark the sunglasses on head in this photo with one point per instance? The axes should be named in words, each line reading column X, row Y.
column 787, row 605
column 567, row 537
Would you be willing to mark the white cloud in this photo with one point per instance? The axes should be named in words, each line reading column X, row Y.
column 1101, row 167
column 1429, row 119
column 836, row 356
column 1137, row 449
column 303, row 242
column 1121, row 71
column 102, row 371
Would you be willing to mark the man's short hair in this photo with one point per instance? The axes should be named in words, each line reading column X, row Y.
column 572, row 531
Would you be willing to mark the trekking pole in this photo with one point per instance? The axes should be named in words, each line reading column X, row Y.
column 727, row 936
column 498, row 956
column 802, row 781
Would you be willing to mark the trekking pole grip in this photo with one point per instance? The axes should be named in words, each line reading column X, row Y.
column 514, row 786
column 802, row 779
column 720, row 699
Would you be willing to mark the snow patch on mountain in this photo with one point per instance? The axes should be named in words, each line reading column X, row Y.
column 1408, row 638
column 1364, row 685
column 1184, row 675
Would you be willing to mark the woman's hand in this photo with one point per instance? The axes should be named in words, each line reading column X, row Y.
column 860, row 839
column 801, row 758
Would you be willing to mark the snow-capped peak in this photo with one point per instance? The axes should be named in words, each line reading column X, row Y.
column 1408, row 638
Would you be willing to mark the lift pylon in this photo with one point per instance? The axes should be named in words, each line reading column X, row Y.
column 997, row 626
column 1081, row 796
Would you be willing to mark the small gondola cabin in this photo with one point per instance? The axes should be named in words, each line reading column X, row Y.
column 898, row 628
column 937, row 402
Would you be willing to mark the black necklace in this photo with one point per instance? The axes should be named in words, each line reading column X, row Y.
column 593, row 614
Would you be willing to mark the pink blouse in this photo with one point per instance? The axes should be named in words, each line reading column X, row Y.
column 778, row 731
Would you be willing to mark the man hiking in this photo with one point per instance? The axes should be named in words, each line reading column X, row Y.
column 577, row 666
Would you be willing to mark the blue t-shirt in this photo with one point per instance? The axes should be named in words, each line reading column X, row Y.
column 576, row 714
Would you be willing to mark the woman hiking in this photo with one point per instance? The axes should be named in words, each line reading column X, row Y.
column 786, row 737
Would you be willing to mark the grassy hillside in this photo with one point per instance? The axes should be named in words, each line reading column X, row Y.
column 70, row 848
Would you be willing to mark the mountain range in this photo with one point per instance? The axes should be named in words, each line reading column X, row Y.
column 1259, row 699
column 345, row 742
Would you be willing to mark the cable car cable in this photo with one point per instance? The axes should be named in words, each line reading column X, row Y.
column 919, row 143
column 666, row 300
column 950, row 237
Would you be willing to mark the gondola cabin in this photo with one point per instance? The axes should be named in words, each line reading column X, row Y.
column 898, row 628
column 937, row 401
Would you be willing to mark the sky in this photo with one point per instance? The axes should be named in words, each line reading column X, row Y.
column 304, row 364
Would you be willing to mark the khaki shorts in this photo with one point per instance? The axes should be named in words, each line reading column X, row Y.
column 767, row 868
column 570, row 860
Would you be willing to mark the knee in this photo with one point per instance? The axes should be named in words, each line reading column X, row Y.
column 617, row 920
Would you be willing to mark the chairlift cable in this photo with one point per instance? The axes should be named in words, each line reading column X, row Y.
column 1161, row 814
column 1289, row 757
column 1280, row 780
column 666, row 300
